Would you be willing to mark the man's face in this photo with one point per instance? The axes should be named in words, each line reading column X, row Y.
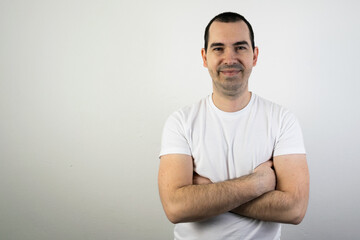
column 229, row 57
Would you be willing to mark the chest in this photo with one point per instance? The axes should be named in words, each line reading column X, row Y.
column 229, row 148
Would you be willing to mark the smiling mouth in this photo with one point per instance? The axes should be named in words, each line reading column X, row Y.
column 230, row 72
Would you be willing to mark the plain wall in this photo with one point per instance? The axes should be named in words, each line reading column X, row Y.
column 85, row 88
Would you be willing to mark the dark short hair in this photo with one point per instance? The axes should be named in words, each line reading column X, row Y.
column 229, row 17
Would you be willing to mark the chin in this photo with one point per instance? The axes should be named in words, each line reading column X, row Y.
column 235, row 90
column 231, row 86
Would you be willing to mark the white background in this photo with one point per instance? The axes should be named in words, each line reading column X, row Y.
column 85, row 88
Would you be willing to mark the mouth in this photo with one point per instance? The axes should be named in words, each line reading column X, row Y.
column 230, row 72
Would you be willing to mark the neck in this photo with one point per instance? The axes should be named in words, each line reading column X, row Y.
column 231, row 103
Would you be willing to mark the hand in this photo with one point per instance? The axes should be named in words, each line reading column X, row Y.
column 267, row 176
column 199, row 180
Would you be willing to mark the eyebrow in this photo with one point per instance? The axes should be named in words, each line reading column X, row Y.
column 218, row 44
column 241, row 43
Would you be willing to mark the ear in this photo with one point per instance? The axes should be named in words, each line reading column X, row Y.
column 256, row 54
column 203, row 55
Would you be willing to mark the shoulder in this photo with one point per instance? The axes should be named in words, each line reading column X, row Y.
column 177, row 129
column 276, row 110
column 189, row 112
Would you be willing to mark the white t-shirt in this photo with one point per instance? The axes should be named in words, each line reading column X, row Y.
column 230, row 145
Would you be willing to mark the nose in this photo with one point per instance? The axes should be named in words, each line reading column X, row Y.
column 230, row 57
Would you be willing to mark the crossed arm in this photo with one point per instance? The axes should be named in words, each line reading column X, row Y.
column 186, row 198
column 288, row 202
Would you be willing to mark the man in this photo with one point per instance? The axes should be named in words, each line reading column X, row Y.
column 232, row 166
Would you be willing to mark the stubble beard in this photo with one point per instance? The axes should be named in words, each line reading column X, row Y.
column 231, row 86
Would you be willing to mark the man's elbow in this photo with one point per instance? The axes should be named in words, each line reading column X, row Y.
column 174, row 219
column 297, row 207
column 297, row 219
column 174, row 208
column 177, row 212
column 173, row 213
column 297, row 215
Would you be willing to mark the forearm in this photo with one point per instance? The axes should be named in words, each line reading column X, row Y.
column 198, row 202
column 186, row 198
column 274, row 206
column 288, row 203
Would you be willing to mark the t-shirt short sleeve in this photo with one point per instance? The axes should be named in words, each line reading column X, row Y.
column 289, row 139
column 174, row 140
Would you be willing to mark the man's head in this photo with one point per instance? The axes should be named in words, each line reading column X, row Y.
column 228, row 17
column 230, row 54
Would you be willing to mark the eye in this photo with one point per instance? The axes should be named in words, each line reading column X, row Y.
column 218, row 49
column 240, row 48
